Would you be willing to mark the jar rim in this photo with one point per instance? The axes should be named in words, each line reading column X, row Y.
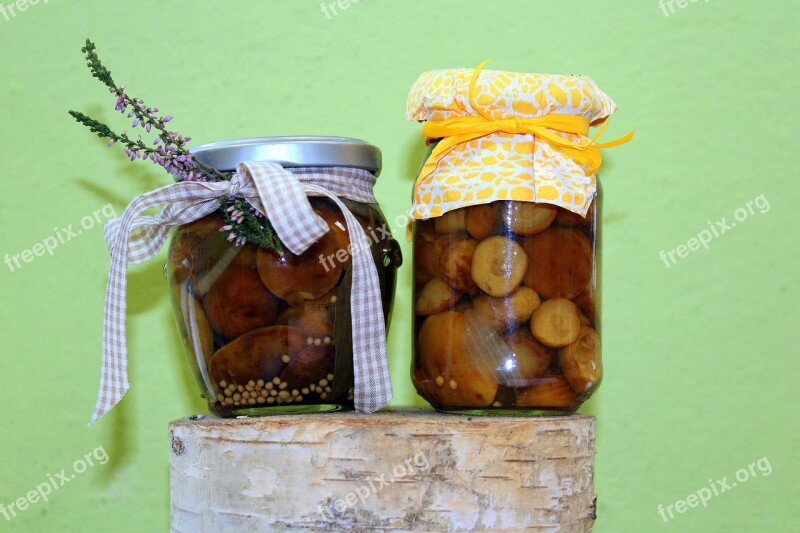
column 291, row 151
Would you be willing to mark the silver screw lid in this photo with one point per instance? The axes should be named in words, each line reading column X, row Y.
column 300, row 151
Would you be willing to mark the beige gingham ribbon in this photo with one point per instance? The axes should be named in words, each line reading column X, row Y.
column 282, row 196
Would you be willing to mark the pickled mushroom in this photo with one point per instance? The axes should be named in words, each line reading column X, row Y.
column 481, row 221
column 531, row 359
column 586, row 302
column 423, row 249
column 528, row 218
column 498, row 266
column 198, row 332
column 436, row 296
column 455, row 263
column 256, row 355
column 308, row 276
column 580, row 361
column 508, row 312
column 189, row 251
column 560, row 262
column 451, row 222
column 548, row 392
column 314, row 319
column 556, row 323
column 309, row 367
column 443, row 353
column 316, row 271
column 238, row 302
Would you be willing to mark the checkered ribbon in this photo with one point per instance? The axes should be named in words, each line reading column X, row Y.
column 282, row 196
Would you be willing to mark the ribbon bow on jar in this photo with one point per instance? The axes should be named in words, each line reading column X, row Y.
column 282, row 196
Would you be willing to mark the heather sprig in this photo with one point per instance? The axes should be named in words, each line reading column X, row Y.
column 167, row 155
column 168, row 149
column 246, row 224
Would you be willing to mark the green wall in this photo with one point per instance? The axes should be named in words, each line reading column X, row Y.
column 701, row 357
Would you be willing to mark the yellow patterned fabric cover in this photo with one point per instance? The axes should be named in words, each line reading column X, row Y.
column 503, row 165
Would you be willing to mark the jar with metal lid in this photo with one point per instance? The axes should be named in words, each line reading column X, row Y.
column 507, row 241
column 267, row 330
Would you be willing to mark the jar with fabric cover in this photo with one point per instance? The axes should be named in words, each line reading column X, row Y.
column 507, row 241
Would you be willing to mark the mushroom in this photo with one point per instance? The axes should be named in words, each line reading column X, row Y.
column 498, row 265
column 238, row 302
column 456, row 380
column 309, row 367
column 197, row 333
column 580, row 361
column 436, row 296
column 508, row 312
column 528, row 218
column 586, row 302
column 339, row 231
column 549, row 392
column 451, row 222
column 314, row 319
column 481, row 221
column 423, row 249
column 560, row 262
column 431, row 262
column 189, row 248
column 308, row 276
column 528, row 359
column 555, row 323
column 455, row 263
column 256, row 355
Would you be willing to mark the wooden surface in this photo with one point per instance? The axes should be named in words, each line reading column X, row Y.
column 391, row 471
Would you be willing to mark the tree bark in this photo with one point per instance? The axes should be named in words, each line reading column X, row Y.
column 390, row 471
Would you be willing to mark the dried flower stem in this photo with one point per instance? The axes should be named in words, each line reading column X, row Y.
column 169, row 151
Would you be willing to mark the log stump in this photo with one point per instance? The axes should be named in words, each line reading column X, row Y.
column 390, row 471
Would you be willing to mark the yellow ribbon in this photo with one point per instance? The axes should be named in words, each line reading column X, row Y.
column 455, row 131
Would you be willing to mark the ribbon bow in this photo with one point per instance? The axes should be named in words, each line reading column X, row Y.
column 282, row 196
column 549, row 128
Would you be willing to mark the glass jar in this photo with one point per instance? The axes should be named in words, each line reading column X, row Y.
column 506, row 308
column 268, row 331
column 507, row 241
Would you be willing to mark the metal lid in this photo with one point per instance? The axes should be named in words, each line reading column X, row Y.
column 300, row 151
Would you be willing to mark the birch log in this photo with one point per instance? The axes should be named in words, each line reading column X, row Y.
column 390, row 471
